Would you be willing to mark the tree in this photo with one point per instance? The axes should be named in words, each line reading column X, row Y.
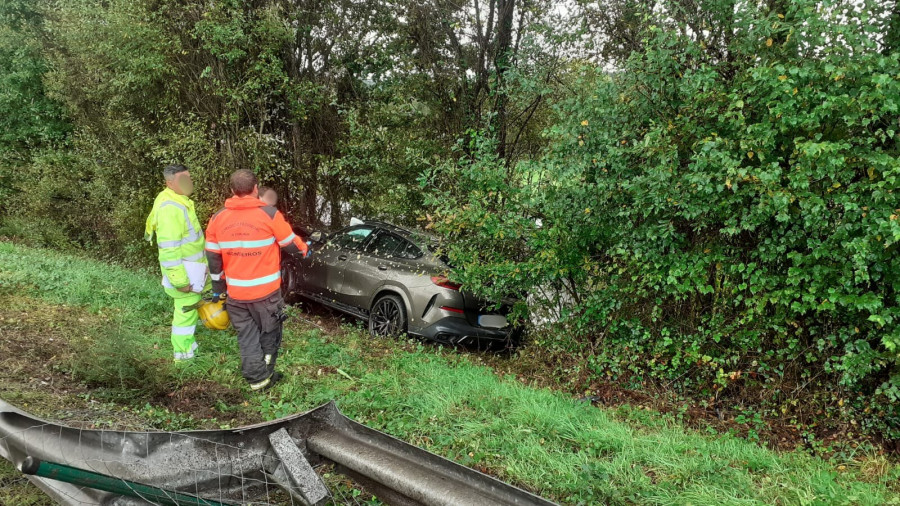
column 28, row 118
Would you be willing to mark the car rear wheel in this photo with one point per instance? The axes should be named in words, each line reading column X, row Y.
column 388, row 317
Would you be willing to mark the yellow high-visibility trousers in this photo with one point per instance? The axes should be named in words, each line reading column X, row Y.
column 184, row 324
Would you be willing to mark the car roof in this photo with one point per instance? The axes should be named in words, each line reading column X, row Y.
column 389, row 227
column 413, row 235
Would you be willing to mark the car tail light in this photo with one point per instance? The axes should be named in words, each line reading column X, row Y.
column 443, row 282
column 452, row 309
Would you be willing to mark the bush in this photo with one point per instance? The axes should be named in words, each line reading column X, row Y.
column 722, row 211
column 33, row 232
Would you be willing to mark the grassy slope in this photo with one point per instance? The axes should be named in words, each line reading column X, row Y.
column 538, row 439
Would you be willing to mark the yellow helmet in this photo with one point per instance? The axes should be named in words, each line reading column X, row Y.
column 214, row 316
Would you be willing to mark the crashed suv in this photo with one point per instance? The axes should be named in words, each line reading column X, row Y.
column 394, row 279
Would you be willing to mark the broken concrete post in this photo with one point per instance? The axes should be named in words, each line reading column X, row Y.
column 301, row 476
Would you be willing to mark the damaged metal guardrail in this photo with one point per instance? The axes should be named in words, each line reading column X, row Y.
column 239, row 466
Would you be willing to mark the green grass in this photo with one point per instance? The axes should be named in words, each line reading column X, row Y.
column 538, row 439
column 15, row 489
column 133, row 351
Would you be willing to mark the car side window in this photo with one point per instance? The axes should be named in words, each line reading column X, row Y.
column 408, row 251
column 352, row 239
column 385, row 245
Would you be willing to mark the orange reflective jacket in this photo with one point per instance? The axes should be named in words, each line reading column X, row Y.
column 243, row 243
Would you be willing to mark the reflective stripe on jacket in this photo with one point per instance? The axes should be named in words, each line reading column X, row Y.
column 179, row 236
column 243, row 248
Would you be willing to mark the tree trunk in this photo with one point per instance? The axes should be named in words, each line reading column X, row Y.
column 502, row 62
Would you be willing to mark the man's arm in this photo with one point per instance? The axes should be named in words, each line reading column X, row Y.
column 287, row 239
column 214, row 258
column 170, row 234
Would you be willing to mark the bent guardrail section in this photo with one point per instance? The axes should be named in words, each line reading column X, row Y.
column 247, row 464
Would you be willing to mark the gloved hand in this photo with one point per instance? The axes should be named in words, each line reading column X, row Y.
column 308, row 253
column 216, row 297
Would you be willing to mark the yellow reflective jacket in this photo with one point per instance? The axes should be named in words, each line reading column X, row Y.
column 179, row 236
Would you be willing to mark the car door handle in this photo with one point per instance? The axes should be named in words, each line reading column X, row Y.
column 342, row 257
column 382, row 267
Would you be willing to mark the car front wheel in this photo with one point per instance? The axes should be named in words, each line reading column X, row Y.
column 289, row 285
column 388, row 317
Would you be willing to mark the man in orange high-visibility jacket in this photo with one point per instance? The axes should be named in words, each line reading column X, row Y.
column 243, row 247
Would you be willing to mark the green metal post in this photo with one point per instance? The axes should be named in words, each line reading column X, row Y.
column 90, row 479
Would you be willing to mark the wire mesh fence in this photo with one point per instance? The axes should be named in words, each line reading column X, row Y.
column 212, row 467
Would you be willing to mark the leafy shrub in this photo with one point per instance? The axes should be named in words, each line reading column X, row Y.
column 34, row 232
column 721, row 212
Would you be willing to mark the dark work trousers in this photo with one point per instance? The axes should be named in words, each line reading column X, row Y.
column 258, row 326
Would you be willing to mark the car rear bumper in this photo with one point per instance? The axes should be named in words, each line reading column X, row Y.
column 458, row 331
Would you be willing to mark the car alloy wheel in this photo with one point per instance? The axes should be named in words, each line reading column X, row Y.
column 288, row 279
column 388, row 317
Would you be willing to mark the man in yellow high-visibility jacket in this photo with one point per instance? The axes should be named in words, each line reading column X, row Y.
column 179, row 238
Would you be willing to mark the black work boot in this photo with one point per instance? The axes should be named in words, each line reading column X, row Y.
column 274, row 378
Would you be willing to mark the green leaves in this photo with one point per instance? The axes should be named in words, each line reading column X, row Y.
column 28, row 117
column 745, row 203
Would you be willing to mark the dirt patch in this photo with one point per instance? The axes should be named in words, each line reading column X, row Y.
column 204, row 400
column 308, row 314
column 35, row 343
